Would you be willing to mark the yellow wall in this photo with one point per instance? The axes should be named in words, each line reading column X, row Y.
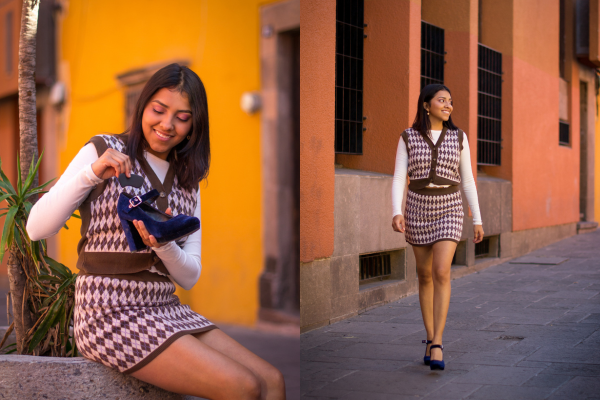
column 99, row 40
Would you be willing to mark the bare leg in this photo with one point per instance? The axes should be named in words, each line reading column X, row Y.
column 271, row 380
column 192, row 366
column 442, row 261
column 424, row 257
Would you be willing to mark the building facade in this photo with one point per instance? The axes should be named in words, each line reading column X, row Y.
column 523, row 84
column 247, row 54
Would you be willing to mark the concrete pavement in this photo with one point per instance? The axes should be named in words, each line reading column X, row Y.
column 514, row 331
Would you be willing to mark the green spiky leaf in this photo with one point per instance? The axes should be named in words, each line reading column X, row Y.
column 8, row 231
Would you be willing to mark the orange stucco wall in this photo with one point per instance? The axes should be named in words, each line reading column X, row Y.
column 545, row 176
column 391, row 81
column 459, row 19
column 317, row 115
column 9, row 132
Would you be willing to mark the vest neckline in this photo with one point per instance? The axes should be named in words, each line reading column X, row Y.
column 162, row 201
column 439, row 141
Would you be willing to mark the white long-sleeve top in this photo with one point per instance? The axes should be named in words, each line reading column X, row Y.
column 53, row 210
column 464, row 168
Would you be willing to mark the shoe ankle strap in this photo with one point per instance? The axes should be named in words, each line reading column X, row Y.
column 146, row 197
column 433, row 346
column 426, row 341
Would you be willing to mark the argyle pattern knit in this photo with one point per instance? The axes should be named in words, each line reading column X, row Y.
column 420, row 156
column 105, row 233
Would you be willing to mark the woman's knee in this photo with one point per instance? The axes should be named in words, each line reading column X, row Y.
column 424, row 276
column 441, row 275
column 248, row 387
column 274, row 379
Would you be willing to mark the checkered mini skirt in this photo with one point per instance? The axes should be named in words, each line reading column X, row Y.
column 125, row 324
column 433, row 215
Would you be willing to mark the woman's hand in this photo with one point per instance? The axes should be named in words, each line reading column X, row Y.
column 398, row 223
column 112, row 163
column 148, row 239
column 478, row 230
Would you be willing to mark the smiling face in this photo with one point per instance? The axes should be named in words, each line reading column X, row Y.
column 440, row 108
column 166, row 121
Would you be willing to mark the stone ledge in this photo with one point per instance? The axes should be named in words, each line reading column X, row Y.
column 586, row 226
column 54, row 378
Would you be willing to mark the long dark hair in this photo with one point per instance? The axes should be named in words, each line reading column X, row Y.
column 190, row 158
column 422, row 123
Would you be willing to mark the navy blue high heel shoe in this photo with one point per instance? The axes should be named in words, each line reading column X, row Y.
column 164, row 227
column 426, row 358
column 437, row 364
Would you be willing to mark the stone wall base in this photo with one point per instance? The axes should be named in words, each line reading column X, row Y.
column 53, row 378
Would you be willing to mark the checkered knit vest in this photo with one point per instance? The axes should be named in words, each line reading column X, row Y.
column 103, row 248
column 429, row 163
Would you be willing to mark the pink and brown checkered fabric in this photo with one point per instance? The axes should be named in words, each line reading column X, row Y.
column 125, row 324
column 431, row 218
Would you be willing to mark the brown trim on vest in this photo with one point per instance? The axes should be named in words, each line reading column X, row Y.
column 435, row 191
column 460, row 138
column 118, row 262
column 166, row 344
column 404, row 136
column 143, row 276
column 85, row 211
column 162, row 201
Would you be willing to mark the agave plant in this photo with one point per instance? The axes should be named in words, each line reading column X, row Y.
column 50, row 287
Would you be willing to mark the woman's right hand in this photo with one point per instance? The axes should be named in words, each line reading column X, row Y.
column 112, row 163
column 398, row 223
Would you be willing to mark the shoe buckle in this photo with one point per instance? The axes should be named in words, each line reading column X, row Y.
column 135, row 201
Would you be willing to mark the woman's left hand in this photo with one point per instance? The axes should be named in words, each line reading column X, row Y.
column 148, row 239
column 478, row 230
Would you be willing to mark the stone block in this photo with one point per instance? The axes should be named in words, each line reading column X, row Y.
column 344, row 275
column 315, row 293
column 29, row 377
column 376, row 233
column 346, row 214
column 495, row 203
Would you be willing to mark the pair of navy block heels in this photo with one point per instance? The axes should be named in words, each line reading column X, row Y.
column 164, row 227
column 433, row 364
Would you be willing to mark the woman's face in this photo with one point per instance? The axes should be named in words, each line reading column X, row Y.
column 440, row 107
column 166, row 121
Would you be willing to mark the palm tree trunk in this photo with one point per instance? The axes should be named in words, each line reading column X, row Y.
column 28, row 152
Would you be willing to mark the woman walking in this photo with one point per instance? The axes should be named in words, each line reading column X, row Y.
column 139, row 201
column 435, row 154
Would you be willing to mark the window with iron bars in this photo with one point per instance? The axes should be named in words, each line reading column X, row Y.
column 563, row 133
column 482, row 249
column 349, row 38
column 376, row 266
column 432, row 54
column 489, row 107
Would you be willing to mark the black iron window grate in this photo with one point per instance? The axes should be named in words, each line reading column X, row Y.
column 432, row 54
column 376, row 265
column 349, row 44
column 489, row 108
column 563, row 133
column 482, row 249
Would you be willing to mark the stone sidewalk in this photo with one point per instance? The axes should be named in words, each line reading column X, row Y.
column 514, row 331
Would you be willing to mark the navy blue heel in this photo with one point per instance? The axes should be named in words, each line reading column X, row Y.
column 164, row 227
column 437, row 364
column 426, row 358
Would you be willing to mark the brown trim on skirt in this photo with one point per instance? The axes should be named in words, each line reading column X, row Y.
column 429, row 244
column 436, row 191
column 143, row 276
column 164, row 346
